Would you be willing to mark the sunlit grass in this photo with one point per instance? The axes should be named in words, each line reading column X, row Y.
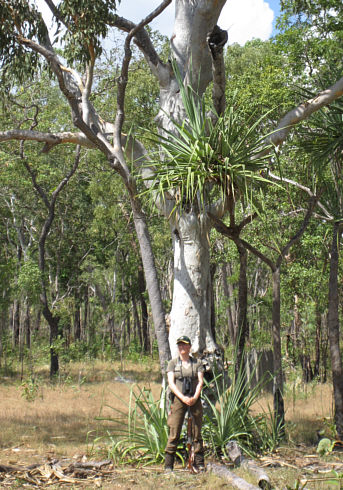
column 62, row 415
column 61, row 421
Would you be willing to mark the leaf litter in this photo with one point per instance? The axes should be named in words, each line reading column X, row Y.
column 94, row 474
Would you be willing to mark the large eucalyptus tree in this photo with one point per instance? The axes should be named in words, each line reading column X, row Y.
column 196, row 49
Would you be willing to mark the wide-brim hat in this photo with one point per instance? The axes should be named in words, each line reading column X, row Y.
column 183, row 340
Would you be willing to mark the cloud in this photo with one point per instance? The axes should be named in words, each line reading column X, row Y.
column 246, row 20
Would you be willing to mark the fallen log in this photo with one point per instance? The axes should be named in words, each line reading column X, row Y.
column 222, row 471
column 262, row 477
column 91, row 464
column 236, row 456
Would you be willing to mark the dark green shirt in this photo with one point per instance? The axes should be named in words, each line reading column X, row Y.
column 195, row 367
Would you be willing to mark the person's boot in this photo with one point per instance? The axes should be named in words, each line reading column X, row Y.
column 199, row 463
column 169, row 462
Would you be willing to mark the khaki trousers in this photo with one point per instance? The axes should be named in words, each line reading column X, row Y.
column 175, row 420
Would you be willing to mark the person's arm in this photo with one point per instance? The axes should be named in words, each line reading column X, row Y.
column 175, row 389
column 193, row 399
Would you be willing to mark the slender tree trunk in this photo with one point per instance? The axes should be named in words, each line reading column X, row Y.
column 16, row 322
column 279, row 409
column 229, row 297
column 128, row 327
column 334, row 334
column 27, row 325
column 38, row 320
column 152, row 283
column 144, row 311
column 242, row 307
column 137, row 322
column 85, row 324
column 53, row 323
column 325, row 348
column 213, row 268
column 316, row 370
column 77, row 322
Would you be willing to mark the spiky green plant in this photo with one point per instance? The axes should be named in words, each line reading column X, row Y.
column 140, row 436
column 201, row 156
column 228, row 415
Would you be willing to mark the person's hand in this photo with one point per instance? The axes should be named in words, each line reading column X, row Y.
column 187, row 401
column 193, row 400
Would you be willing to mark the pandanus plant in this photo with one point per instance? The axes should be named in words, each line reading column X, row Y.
column 207, row 155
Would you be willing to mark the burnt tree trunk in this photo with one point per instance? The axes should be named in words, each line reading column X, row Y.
column 228, row 293
column 316, row 370
column 242, row 331
column 16, row 322
column 279, row 409
column 213, row 268
column 77, row 322
column 334, row 334
column 27, row 325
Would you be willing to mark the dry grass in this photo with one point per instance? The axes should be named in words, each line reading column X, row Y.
column 307, row 411
column 62, row 417
column 61, row 421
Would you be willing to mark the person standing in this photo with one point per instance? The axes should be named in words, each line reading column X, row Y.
column 185, row 380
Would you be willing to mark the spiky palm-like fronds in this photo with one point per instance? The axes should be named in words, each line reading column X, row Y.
column 140, row 435
column 199, row 155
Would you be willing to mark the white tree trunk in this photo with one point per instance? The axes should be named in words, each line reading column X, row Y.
column 191, row 309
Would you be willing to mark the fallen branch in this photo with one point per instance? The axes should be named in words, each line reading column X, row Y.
column 13, row 469
column 262, row 477
column 236, row 456
column 91, row 464
column 222, row 471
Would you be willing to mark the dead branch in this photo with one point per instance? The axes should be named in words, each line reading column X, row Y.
column 223, row 472
column 238, row 459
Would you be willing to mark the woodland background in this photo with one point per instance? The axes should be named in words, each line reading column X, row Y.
column 95, row 276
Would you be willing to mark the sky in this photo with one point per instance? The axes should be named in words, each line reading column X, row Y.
column 244, row 19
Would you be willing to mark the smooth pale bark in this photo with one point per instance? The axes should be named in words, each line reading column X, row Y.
column 191, row 308
column 234, row 480
column 334, row 334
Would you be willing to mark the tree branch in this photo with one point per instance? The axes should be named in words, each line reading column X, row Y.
column 303, row 188
column 50, row 139
column 122, row 83
column 304, row 110
column 143, row 41
column 299, row 233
